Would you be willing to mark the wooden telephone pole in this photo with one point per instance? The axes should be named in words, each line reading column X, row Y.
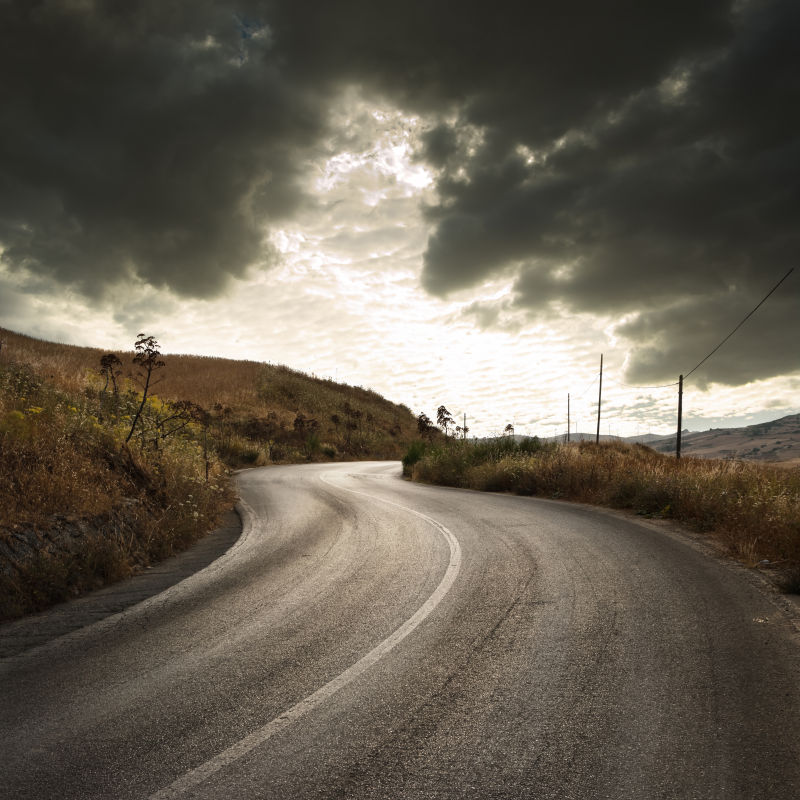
column 599, row 398
column 680, row 417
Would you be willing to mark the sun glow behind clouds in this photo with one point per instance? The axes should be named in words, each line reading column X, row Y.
column 352, row 265
column 345, row 302
column 389, row 140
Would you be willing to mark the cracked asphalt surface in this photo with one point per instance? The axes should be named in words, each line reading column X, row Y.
column 576, row 653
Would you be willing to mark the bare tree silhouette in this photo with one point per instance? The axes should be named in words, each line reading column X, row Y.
column 444, row 418
column 110, row 369
column 424, row 424
column 148, row 359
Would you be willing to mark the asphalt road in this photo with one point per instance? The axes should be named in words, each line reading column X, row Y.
column 371, row 638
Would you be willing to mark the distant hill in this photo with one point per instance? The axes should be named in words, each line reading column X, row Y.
column 775, row 441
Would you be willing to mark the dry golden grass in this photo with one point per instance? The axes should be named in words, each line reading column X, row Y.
column 753, row 508
column 79, row 507
column 254, row 407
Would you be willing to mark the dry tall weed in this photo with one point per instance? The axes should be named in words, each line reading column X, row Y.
column 79, row 507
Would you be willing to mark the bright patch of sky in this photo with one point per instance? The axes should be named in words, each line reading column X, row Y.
column 345, row 302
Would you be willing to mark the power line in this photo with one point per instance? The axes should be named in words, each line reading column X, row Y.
column 687, row 374
column 628, row 386
column 679, row 382
column 594, row 381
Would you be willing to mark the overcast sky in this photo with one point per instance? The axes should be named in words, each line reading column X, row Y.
column 451, row 203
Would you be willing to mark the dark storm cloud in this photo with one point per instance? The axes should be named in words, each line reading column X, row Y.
column 150, row 139
column 440, row 144
column 609, row 157
column 675, row 196
column 696, row 325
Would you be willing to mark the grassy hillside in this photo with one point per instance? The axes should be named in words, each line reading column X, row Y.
column 257, row 413
column 99, row 478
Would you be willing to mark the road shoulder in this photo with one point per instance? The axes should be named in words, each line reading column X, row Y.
column 19, row 636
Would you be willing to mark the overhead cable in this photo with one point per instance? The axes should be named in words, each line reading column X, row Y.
column 763, row 300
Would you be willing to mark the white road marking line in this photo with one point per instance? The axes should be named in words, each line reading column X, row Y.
column 258, row 737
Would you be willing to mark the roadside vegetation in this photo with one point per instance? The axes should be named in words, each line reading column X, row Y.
column 112, row 461
column 80, row 507
column 752, row 509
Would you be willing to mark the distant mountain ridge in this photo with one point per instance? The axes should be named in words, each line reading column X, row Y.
column 774, row 441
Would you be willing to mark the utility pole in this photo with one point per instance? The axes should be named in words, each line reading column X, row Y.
column 680, row 417
column 567, row 416
column 465, row 426
column 599, row 398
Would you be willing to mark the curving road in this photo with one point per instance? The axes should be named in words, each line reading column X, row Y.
column 371, row 638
